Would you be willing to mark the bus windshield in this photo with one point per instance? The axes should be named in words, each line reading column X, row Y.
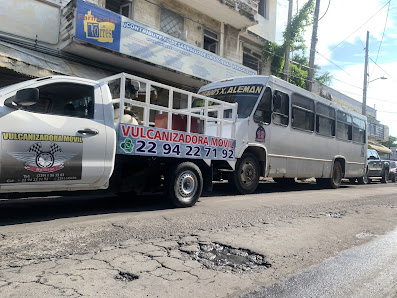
column 245, row 95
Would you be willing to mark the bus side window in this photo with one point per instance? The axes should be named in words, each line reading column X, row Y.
column 263, row 112
column 280, row 108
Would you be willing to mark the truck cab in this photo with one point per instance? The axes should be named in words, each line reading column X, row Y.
column 56, row 133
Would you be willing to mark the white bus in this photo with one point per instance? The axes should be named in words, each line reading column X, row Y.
column 285, row 132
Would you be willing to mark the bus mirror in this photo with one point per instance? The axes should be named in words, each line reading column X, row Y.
column 258, row 115
column 277, row 102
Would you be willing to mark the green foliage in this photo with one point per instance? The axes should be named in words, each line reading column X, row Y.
column 325, row 78
column 293, row 35
column 274, row 53
column 392, row 142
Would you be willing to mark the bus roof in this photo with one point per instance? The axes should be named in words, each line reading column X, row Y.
column 259, row 79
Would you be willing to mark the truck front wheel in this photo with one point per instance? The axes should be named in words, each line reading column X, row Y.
column 184, row 184
column 385, row 176
column 246, row 175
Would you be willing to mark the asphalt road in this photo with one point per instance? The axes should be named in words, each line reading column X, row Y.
column 279, row 242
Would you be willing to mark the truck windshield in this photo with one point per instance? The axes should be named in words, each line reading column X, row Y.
column 245, row 95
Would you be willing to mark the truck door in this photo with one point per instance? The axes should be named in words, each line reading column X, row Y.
column 58, row 141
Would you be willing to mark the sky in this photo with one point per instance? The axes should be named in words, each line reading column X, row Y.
column 342, row 31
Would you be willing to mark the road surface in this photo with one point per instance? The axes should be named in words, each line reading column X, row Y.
column 276, row 241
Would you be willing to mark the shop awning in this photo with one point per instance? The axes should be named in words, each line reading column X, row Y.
column 379, row 148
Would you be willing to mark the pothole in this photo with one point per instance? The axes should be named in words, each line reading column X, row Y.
column 126, row 276
column 221, row 257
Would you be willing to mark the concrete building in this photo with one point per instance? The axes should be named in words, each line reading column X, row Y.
column 181, row 43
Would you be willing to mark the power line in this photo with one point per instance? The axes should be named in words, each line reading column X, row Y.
column 358, row 28
column 383, row 34
column 333, row 63
column 381, row 68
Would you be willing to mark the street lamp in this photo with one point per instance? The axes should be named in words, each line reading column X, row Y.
column 364, row 107
column 382, row 78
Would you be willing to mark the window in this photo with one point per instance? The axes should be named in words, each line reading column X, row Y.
column 211, row 41
column 325, row 120
column 280, row 108
column 302, row 112
column 344, row 126
column 263, row 112
column 122, row 7
column 67, row 99
column 358, row 130
column 263, row 8
column 171, row 23
column 252, row 59
column 372, row 154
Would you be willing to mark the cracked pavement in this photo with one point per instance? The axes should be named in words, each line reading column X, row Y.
column 97, row 247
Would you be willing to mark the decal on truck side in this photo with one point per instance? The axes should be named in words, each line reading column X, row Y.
column 30, row 157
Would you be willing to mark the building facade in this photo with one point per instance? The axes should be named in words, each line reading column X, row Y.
column 182, row 43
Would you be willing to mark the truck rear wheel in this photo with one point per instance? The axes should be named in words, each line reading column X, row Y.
column 336, row 177
column 246, row 175
column 184, row 184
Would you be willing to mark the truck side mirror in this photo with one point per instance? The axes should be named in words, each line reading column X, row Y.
column 26, row 97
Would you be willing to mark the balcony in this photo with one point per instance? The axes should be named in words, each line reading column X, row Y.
column 237, row 13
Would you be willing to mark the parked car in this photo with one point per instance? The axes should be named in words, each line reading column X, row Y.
column 376, row 167
column 393, row 171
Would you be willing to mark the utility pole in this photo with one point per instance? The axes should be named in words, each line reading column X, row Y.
column 309, row 85
column 364, row 111
column 288, row 48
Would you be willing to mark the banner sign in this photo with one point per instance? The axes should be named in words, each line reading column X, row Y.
column 118, row 33
column 98, row 26
column 151, row 141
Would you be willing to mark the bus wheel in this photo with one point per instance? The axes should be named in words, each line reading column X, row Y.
column 336, row 178
column 246, row 174
column 184, row 184
column 385, row 176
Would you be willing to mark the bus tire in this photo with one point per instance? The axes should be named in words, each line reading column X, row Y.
column 385, row 176
column 184, row 184
column 336, row 177
column 246, row 175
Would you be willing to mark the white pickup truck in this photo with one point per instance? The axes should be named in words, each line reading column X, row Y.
column 123, row 133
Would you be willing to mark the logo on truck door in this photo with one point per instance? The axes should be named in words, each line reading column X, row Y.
column 31, row 157
column 43, row 161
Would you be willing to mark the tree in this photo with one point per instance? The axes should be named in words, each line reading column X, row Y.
column 391, row 142
column 293, row 34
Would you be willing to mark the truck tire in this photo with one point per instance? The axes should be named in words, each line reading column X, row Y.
column 385, row 176
column 245, row 177
column 184, row 184
column 363, row 180
column 336, row 177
